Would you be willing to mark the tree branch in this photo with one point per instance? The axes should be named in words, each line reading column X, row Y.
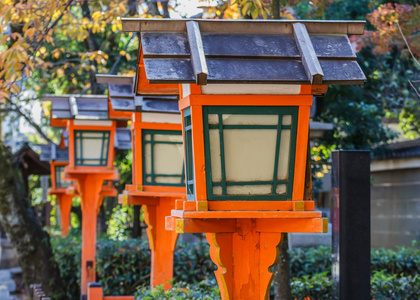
column 119, row 56
column 408, row 46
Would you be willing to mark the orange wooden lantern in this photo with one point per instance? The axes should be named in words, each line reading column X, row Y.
column 91, row 141
column 62, row 189
column 247, row 88
column 158, row 166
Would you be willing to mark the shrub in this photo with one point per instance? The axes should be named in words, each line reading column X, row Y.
column 206, row 290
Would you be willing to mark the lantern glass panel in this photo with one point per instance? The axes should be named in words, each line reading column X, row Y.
column 249, row 152
column 163, row 158
column 59, row 182
column 91, row 147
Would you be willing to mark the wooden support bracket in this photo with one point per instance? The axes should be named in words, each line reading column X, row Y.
column 198, row 58
column 309, row 59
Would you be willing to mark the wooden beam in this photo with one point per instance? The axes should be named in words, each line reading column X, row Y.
column 309, row 59
column 244, row 26
column 118, row 79
column 198, row 59
column 73, row 106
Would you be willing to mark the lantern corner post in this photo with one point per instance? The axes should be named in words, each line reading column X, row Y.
column 162, row 242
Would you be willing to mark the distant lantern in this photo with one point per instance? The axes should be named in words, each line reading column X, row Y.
column 63, row 189
column 158, row 162
column 246, row 92
column 92, row 138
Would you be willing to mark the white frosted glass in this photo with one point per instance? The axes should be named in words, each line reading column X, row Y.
column 216, row 169
column 249, row 154
column 91, row 147
column 148, row 158
column 213, row 119
column 167, row 138
column 281, row 189
column 217, row 190
column 249, row 190
column 287, row 120
column 168, row 159
column 284, row 154
column 147, row 137
column 176, row 180
column 250, row 119
column 148, row 179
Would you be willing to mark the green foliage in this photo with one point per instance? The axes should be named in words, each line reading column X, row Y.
column 318, row 286
column 207, row 290
column 404, row 261
column 122, row 266
column 67, row 252
column 309, row 261
column 386, row 286
column 193, row 263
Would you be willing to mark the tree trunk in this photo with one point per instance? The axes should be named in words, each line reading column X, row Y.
column 30, row 242
column 275, row 9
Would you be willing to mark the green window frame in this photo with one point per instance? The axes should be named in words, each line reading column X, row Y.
column 104, row 137
column 189, row 155
column 152, row 143
column 59, row 183
column 280, row 111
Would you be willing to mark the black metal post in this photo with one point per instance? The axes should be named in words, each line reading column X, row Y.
column 350, row 214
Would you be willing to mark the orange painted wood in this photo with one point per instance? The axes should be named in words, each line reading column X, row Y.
column 309, row 205
column 144, row 87
column 301, row 152
column 274, row 225
column 71, row 142
column 64, row 202
column 246, row 214
column 95, row 293
column 198, row 153
column 306, row 89
column 304, row 225
column 160, row 126
column 246, row 100
column 177, row 191
column 243, row 259
column 161, row 242
column 89, row 186
column 57, row 122
column 201, row 225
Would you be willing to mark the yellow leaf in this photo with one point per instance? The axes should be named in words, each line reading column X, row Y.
column 42, row 50
column 122, row 52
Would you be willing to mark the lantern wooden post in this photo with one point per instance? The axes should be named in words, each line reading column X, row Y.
column 153, row 117
column 245, row 107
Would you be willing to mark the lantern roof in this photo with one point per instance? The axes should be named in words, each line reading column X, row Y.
column 248, row 51
column 84, row 107
column 52, row 151
column 123, row 98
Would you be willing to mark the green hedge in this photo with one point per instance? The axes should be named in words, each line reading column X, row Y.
column 124, row 266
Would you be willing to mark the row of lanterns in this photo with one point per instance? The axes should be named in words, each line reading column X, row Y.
column 219, row 133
